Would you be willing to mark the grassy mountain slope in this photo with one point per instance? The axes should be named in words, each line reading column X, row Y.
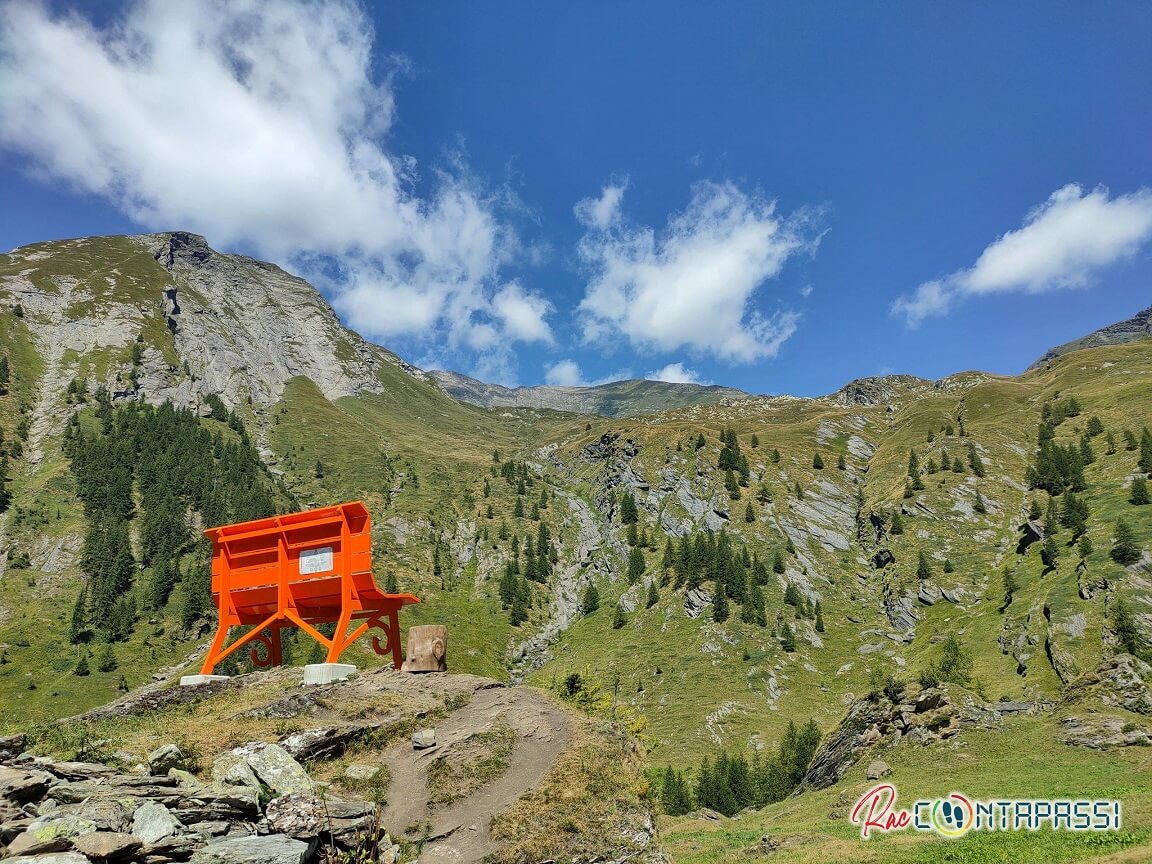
column 335, row 419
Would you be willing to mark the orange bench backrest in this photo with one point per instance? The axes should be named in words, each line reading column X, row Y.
column 326, row 543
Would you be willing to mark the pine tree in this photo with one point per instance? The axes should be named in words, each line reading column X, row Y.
column 778, row 562
column 792, row 595
column 1125, row 549
column 590, row 601
column 720, row 610
column 924, row 566
column 1050, row 553
column 979, row 506
column 653, row 595
column 81, row 669
column 1094, row 427
column 819, row 619
column 787, row 638
column 749, row 513
column 1087, row 454
column 390, row 583
column 700, row 442
column 897, row 526
column 755, row 442
column 817, row 461
column 629, row 514
column 618, row 619
column 5, row 376
column 1110, row 444
column 1130, row 440
column 948, row 568
column 945, row 461
column 1145, row 461
column 106, row 659
column 78, row 630
column 1085, row 546
column 636, row 565
column 764, row 494
column 518, row 510
column 1035, row 511
column 1124, row 626
column 1139, row 491
column 974, row 460
column 775, row 456
column 913, row 464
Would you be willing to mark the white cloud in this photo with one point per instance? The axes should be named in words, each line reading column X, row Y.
column 806, row 291
column 603, row 212
column 264, row 124
column 1060, row 245
column 675, row 373
column 564, row 373
column 693, row 284
column 567, row 373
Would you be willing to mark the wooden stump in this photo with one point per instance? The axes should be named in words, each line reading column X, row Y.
column 427, row 649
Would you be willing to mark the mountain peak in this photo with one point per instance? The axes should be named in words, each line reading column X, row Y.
column 1139, row 326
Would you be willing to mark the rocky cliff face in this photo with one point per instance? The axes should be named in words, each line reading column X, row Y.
column 617, row 399
column 165, row 317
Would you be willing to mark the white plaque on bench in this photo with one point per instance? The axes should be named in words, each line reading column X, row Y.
column 315, row 560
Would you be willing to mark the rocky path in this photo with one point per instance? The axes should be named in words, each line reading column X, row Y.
column 459, row 831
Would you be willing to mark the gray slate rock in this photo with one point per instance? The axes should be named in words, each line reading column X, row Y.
column 164, row 759
column 54, row 858
column 877, row 768
column 105, row 845
column 152, row 823
column 231, row 769
column 271, row 849
column 276, row 769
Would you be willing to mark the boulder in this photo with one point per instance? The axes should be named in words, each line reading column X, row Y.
column 232, row 769
column 107, row 814
column 152, row 823
column 271, row 849
column 164, row 759
column 106, row 845
column 276, row 769
column 54, row 858
column 422, row 739
column 1102, row 733
column 297, row 815
column 50, row 833
column 19, row 785
column 877, row 768
column 929, row 593
column 695, row 600
column 12, row 746
column 244, row 799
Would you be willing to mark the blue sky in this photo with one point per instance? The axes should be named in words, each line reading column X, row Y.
column 777, row 197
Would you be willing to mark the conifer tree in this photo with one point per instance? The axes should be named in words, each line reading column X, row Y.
column 924, row 566
column 653, row 595
column 1110, row 444
column 817, row 461
column 775, row 456
column 1124, row 626
column 978, row 505
column 106, row 659
column 755, row 442
column 636, row 565
column 78, row 629
column 1130, row 442
column 1094, row 427
column 618, row 619
column 1145, row 461
column 720, row 610
column 518, row 510
column 590, row 601
column 897, row 526
column 5, row 376
column 1139, row 491
column 81, row 669
column 1035, row 511
column 778, row 562
column 787, row 638
column 1125, row 548
column 749, row 513
column 974, row 460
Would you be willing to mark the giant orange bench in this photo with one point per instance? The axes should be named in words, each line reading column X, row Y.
column 300, row 569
